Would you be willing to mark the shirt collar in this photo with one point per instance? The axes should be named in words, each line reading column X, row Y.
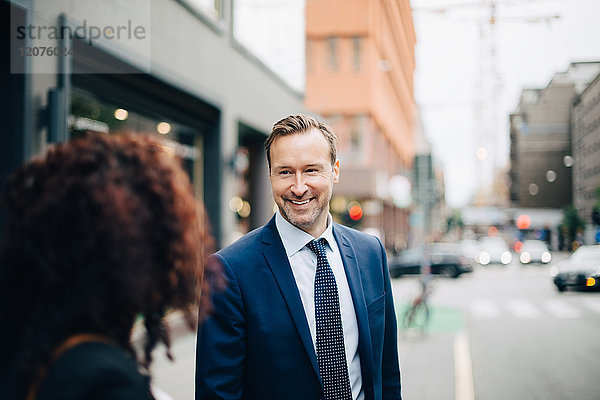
column 295, row 239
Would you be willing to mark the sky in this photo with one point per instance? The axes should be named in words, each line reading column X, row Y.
column 274, row 30
column 464, row 92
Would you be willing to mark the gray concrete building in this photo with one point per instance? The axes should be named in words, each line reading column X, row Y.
column 540, row 133
column 585, row 126
column 172, row 68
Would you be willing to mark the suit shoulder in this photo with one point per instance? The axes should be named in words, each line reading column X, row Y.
column 358, row 236
column 242, row 247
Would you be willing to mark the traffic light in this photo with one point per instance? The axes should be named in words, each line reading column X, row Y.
column 523, row 221
column 355, row 212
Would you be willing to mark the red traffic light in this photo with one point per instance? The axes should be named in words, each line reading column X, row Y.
column 355, row 212
column 524, row 221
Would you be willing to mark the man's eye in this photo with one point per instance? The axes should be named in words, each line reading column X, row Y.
column 284, row 172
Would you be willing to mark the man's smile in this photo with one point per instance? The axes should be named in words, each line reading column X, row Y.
column 299, row 202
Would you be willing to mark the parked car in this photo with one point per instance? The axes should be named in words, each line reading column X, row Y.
column 445, row 259
column 535, row 251
column 576, row 270
column 493, row 250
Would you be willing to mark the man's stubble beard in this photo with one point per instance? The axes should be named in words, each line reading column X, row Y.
column 303, row 223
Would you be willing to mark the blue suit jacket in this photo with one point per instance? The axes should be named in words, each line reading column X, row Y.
column 257, row 344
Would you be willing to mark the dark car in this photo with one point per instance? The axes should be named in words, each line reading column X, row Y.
column 577, row 270
column 446, row 260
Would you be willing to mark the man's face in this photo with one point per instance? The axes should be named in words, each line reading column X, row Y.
column 302, row 179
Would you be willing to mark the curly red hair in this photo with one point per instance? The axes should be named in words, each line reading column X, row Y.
column 100, row 230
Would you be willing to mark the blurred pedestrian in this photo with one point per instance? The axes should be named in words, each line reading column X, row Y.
column 308, row 312
column 101, row 231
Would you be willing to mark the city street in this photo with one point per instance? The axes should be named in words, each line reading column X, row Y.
column 498, row 333
column 524, row 340
column 141, row 136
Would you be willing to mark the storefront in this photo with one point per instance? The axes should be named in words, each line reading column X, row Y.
column 90, row 100
column 176, row 71
column 97, row 112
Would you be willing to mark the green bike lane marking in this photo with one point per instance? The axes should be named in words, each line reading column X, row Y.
column 448, row 319
column 442, row 318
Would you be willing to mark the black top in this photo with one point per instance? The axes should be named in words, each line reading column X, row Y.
column 94, row 370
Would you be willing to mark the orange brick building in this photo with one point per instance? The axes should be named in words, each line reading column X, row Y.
column 359, row 77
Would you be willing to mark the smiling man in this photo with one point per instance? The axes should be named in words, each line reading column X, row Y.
column 303, row 169
column 308, row 312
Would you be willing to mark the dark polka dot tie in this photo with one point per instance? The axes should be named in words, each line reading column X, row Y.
column 331, row 354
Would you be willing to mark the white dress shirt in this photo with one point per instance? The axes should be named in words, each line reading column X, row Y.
column 304, row 267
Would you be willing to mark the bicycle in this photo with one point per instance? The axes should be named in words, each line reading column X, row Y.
column 417, row 315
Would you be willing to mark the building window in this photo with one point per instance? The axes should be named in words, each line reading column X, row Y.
column 333, row 120
column 333, row 50
column 357, row 132
column 356, row 53
column 212, row 8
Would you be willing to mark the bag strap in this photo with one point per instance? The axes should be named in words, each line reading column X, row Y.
column 69, row 343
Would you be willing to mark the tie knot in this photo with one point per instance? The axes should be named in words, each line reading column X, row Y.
column 317, row 246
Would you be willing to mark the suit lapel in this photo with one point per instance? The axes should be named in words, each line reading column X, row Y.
column 360, row 306
column 279, row 264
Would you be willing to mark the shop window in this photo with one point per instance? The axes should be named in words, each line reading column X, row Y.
column 90, row 113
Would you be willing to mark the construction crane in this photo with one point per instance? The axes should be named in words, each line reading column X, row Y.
column 489, row 82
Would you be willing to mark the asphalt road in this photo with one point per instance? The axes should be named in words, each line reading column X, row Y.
column 498, row 333
column 502, row 333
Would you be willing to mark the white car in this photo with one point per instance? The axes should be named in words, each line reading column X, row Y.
column 493, row 250
column 535, row 251
column 469, row 249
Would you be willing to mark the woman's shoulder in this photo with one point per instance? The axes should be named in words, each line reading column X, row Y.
column 94, row 370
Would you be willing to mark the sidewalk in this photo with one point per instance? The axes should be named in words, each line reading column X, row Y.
column 171, row 380
column 175, row 321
